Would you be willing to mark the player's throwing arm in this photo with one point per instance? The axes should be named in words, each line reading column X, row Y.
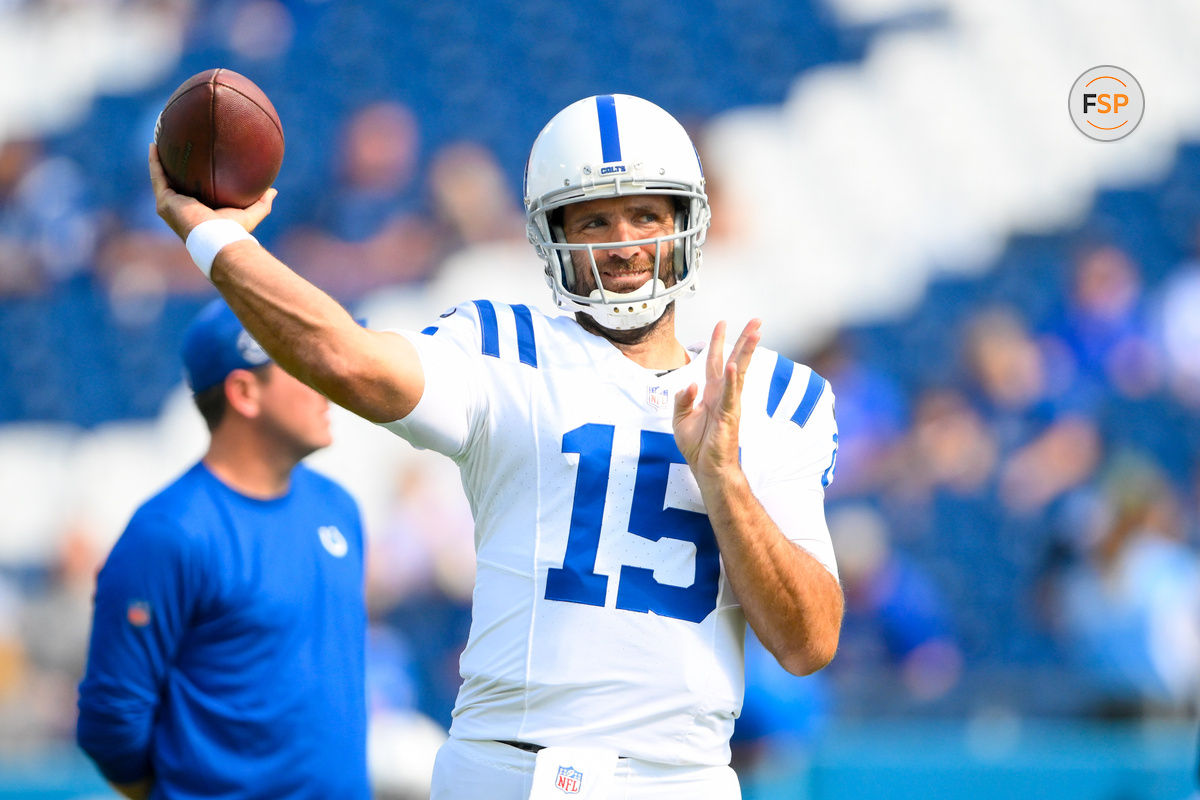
column 376, row 375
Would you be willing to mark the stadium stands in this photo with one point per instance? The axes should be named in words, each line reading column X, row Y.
column 987, row 290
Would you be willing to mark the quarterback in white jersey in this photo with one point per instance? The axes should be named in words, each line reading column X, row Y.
column 600, row 613
column 637, row 502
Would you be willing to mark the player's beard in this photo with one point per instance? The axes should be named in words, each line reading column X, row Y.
column 666, row 272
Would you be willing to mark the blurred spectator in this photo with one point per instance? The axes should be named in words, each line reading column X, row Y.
column 392, row 678
column 14, row 666
column 396, row 726
column 1127, row 606
column 52, row 207
column 949, row 447
column 1104, row 323
column 471, row 199
column 44, row 625
column 48, row 225
column 1045, row 446
column 420, row 572
column 247, row 30
column 55, row 627
column 426, row 545
column 897, row 621
column 371, row 230
column 139, row 268
column 19, row 270
column 1004, row 363
column 260, row 30
column 377, row 170
column 872, row 416
column 1178, row 321
column 1060, row 458
column 730, row 220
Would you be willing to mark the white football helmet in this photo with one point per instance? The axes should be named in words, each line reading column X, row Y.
column 608, row 146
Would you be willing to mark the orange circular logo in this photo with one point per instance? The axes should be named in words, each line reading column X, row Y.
column 1106, row 103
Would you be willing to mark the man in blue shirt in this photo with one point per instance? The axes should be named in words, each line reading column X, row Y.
column 226, row 656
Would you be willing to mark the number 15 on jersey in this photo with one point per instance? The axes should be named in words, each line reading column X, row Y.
column 577, row 581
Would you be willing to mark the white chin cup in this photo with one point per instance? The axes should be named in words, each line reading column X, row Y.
column 636, row 309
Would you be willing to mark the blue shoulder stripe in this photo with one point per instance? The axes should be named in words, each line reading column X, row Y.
column 779, row 383
column 526, row 346
column 488, row 327
column 812, row 393
column 430, row 331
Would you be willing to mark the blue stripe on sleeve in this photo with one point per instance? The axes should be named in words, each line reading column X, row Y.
column 430, row 331
column 610, row 137
column 526, row 346
column 488, row 328
column 812, row 393
column 780, row 379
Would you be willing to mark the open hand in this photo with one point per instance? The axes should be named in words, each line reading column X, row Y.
column 706, row 432
column 182, row 213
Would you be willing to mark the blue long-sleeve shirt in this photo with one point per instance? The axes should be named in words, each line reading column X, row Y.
column 226, row 657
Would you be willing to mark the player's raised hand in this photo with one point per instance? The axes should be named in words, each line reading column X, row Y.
column 706, row 431
column 182, row 213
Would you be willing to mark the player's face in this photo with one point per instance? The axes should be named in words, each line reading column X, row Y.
column 294, row 414
column 620, row 219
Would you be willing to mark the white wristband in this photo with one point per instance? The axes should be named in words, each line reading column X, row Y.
column 207, row 239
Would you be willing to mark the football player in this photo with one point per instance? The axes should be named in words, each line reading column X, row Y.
column 637, row 502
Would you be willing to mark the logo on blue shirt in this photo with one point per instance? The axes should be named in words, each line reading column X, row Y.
column 333, row 540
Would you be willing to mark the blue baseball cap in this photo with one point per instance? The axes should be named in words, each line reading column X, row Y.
column 216, row 344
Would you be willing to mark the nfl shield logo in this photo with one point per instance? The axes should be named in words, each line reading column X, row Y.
column 569, row 780
column 658, row 396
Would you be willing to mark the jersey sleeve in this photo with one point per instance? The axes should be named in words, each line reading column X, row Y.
column 146, row 593
column 453, row 398
column 802, row 466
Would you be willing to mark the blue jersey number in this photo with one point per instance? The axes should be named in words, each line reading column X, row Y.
column 577, row 580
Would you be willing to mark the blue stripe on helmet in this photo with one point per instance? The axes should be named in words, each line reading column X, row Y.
column 610, row 137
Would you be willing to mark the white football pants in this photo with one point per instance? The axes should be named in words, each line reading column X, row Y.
column 470, row 770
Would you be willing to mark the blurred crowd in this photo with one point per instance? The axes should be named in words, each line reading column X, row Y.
column 1033, row 500
column 1016, row 512
column 375, row 225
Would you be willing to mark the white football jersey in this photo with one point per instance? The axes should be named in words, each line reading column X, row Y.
column 601, row 613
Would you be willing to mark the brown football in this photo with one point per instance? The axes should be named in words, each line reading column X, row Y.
column 220, row 139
